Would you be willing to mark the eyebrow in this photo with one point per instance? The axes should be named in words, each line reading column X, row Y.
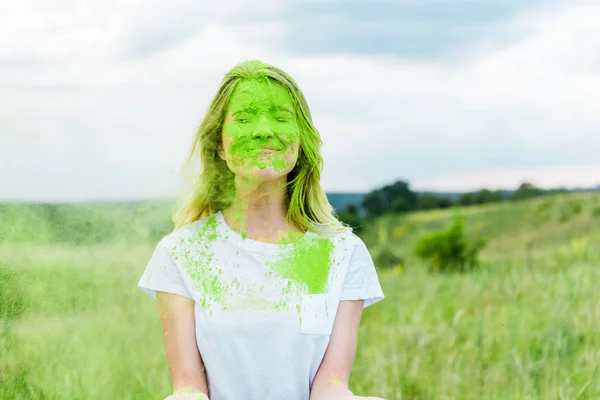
column 245, row 109
column 251, row 109
column 280, row 108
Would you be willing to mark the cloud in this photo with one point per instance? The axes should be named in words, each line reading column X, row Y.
column 564, row 176
column 96, row 112
column 47, row 32
column 414, row 29
column 153, row 26
column 529, row 103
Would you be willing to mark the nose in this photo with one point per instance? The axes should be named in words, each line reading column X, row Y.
column 262, row 129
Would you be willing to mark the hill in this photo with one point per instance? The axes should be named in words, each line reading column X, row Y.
column 512, row 228
column 544, row 220
column 340, row 200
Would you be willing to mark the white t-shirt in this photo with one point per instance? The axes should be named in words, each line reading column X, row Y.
column 264, row 312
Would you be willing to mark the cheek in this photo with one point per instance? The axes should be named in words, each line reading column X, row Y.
column 231, row 131
column 291, row 154
column 290, row 136
column 242, row 146
column 226, row 145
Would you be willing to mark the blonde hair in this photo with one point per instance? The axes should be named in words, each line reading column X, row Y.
column 213, row 189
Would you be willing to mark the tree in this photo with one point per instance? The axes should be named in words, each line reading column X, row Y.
column 350, row 216
column 373, row 203
column 396, row 197
column 445, row 202
column 485, row 196
column 527, row 191
column 482, row 196
column 467, row 199
column 427, row 201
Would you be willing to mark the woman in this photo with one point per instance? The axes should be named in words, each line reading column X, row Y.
column 260, row 288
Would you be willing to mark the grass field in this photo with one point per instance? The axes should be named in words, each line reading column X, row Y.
column 526, row 325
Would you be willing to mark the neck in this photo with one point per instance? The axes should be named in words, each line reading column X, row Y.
column 259, row 210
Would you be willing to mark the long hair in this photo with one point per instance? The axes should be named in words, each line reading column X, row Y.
column 213, row 189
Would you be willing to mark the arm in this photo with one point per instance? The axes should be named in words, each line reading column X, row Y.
column 184, row 359
column 331, row 379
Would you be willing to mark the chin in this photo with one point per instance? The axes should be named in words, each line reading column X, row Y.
column 267, row 174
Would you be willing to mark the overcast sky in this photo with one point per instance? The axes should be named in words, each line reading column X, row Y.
column 101, row 99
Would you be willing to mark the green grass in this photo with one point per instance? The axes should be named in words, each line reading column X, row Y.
column 88, row 332
column 505, row 332
column 526, row 325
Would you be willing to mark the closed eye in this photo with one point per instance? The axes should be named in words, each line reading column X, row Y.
column 283, row 117
column 242, row 116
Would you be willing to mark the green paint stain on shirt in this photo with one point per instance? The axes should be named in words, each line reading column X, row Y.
column 196, row 256
column 302, row 267
column 307, row 264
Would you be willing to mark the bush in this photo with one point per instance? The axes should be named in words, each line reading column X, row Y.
column 570, row 209
column 544, row 207
column 388, row 259
column 596, row 212
column 430, row 201
column 448, row 250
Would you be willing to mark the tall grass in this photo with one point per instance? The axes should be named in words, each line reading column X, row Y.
column 526, row 325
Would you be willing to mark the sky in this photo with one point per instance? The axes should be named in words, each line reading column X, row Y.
column 101, row 100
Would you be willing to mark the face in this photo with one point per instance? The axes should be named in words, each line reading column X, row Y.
column 261, row 136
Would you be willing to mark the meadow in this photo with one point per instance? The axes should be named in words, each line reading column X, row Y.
column 524, row 325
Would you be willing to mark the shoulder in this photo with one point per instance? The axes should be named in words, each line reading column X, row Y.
column 345, row 242
column 190, row 233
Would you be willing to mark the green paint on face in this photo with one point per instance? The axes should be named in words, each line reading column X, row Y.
column 261, row 130
column 307, row 264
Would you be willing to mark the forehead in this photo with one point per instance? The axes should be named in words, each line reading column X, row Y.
column 260, row 93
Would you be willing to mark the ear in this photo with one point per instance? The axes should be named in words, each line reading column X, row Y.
column 220, row 151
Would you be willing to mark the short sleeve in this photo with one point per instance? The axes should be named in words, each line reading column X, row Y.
column 361, row 281
column 162, row 274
